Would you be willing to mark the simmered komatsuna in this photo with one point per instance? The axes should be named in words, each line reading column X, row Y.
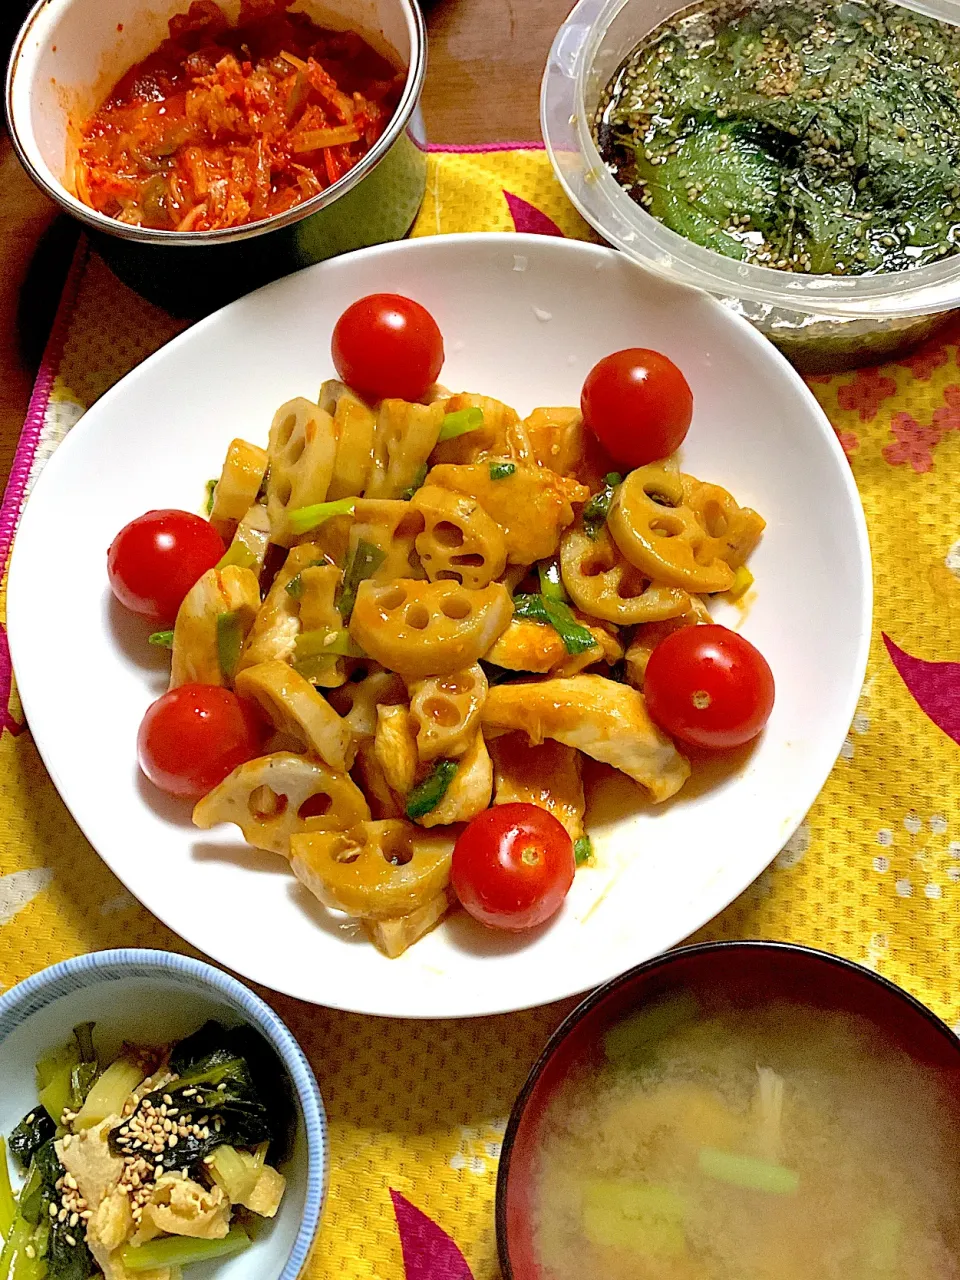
column 821, row 138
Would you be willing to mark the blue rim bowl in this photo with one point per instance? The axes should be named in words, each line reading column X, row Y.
column 35, row 993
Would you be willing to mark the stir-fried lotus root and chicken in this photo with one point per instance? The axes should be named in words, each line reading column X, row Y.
column 439, row 606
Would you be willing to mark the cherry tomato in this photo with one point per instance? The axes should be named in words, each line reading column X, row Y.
column 639, row 406
column 193, row 736
column 709, row 687
column 513, row 866
column 155, row 560
column 388, row 345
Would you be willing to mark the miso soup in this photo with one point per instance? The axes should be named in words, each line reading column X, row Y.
column 781, row 1143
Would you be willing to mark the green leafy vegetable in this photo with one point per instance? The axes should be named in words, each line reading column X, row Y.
column 583, row 850
column 15, row 1262
column 181, row 1251
column 110, row 1091
column 418, row 480
column 598, row 508
column 161, row 639
column 425, row 797
column 459, row 423
column 551, row 583
column 630, row 1043
column 67, row 1256
column 65, row 1076
column 537, row 608
column 211, row 487
column 229, row 642
column 364, row 563
column 747, row 1172
column 303, row 519
column 294, row 587
column 28, row 1137
column 501, row 470
column 332, row 642
column 8, row 1204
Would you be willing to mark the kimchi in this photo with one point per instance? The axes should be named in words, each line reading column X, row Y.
column 227, row 125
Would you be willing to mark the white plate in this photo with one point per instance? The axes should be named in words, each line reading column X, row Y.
column 524, row 318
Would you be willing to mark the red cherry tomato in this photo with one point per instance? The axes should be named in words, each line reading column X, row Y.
column 155, row 560
column 193, row 736
column 709, row 687
column 513, row 866
column 639, row 406
column 388, row 345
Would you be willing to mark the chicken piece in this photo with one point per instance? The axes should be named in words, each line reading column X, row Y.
column 599, row 717
column 648, row 636
column 222, row 601
column 531, row 506
column 393, row 937
column 469, row 791
column 181, row 1207
column 502, row 434
column 368, row 688
column 395, row 747
column 561, row 442
column 537, row 647
column 547, row 775
column 88, row 1158
column 277, row 624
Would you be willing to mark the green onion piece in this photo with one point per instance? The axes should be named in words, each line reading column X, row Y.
column 294, row 587
column 364, row 563
column 238, row 553
column 747, row 1172
column 229, row 642
column 551, row 583
column 630, row 1043
column 211, row 487
column 537, row 608
column 425, row 798
column 8, row 1204
column 303, row 519
column 182, row 1251
column 418, row 479
column 501, row 470
column 639, row 1218
column 161, row 639
column 324, row 643
column 598, row 508
column 459, row 423
column 583, row 850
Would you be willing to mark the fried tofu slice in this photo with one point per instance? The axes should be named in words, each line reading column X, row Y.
column 603, row 719
column 532, row 505
column 547, row 775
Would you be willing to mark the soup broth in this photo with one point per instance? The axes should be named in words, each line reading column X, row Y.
column 776, row 1144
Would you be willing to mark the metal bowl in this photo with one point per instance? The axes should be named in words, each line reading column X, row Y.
column 68, row 55
column 745, row 974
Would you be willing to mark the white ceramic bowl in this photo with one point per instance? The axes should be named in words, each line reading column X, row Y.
column 154, row 997
column 524, row 318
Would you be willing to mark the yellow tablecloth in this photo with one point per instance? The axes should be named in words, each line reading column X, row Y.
column 873, row 873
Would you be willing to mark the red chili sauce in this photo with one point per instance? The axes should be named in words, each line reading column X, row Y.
column 224, row 126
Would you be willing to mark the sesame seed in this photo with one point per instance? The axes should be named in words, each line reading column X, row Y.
column 71, row 1241
column 30, row 1251
column 53, row 1211
column 31, row 1117
column 74, row 1219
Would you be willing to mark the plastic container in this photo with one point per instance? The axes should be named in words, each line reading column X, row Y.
column 820, row 322
column 68, row 55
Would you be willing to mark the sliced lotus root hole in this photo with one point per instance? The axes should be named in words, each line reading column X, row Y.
column 284, row 491
column 659, row 498
column 442, row 712
column 317, row 806
column 456, row 608
column 393, row 597
column 593, row 568
column 456, row 684
column 715, row 520
column 417, row 617
column 286, row 429
column 396, row 850
column 294, row 451
column 449, row 575
column 264, row 803
column 448, row 534
column 345, row 850
column 411, row 526
column 664, row 528
column 470, row 561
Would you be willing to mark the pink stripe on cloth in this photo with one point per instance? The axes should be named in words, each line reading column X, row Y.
column 37, row 408
column 482, row 148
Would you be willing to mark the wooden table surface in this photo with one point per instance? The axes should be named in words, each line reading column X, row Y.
column 486, row 59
